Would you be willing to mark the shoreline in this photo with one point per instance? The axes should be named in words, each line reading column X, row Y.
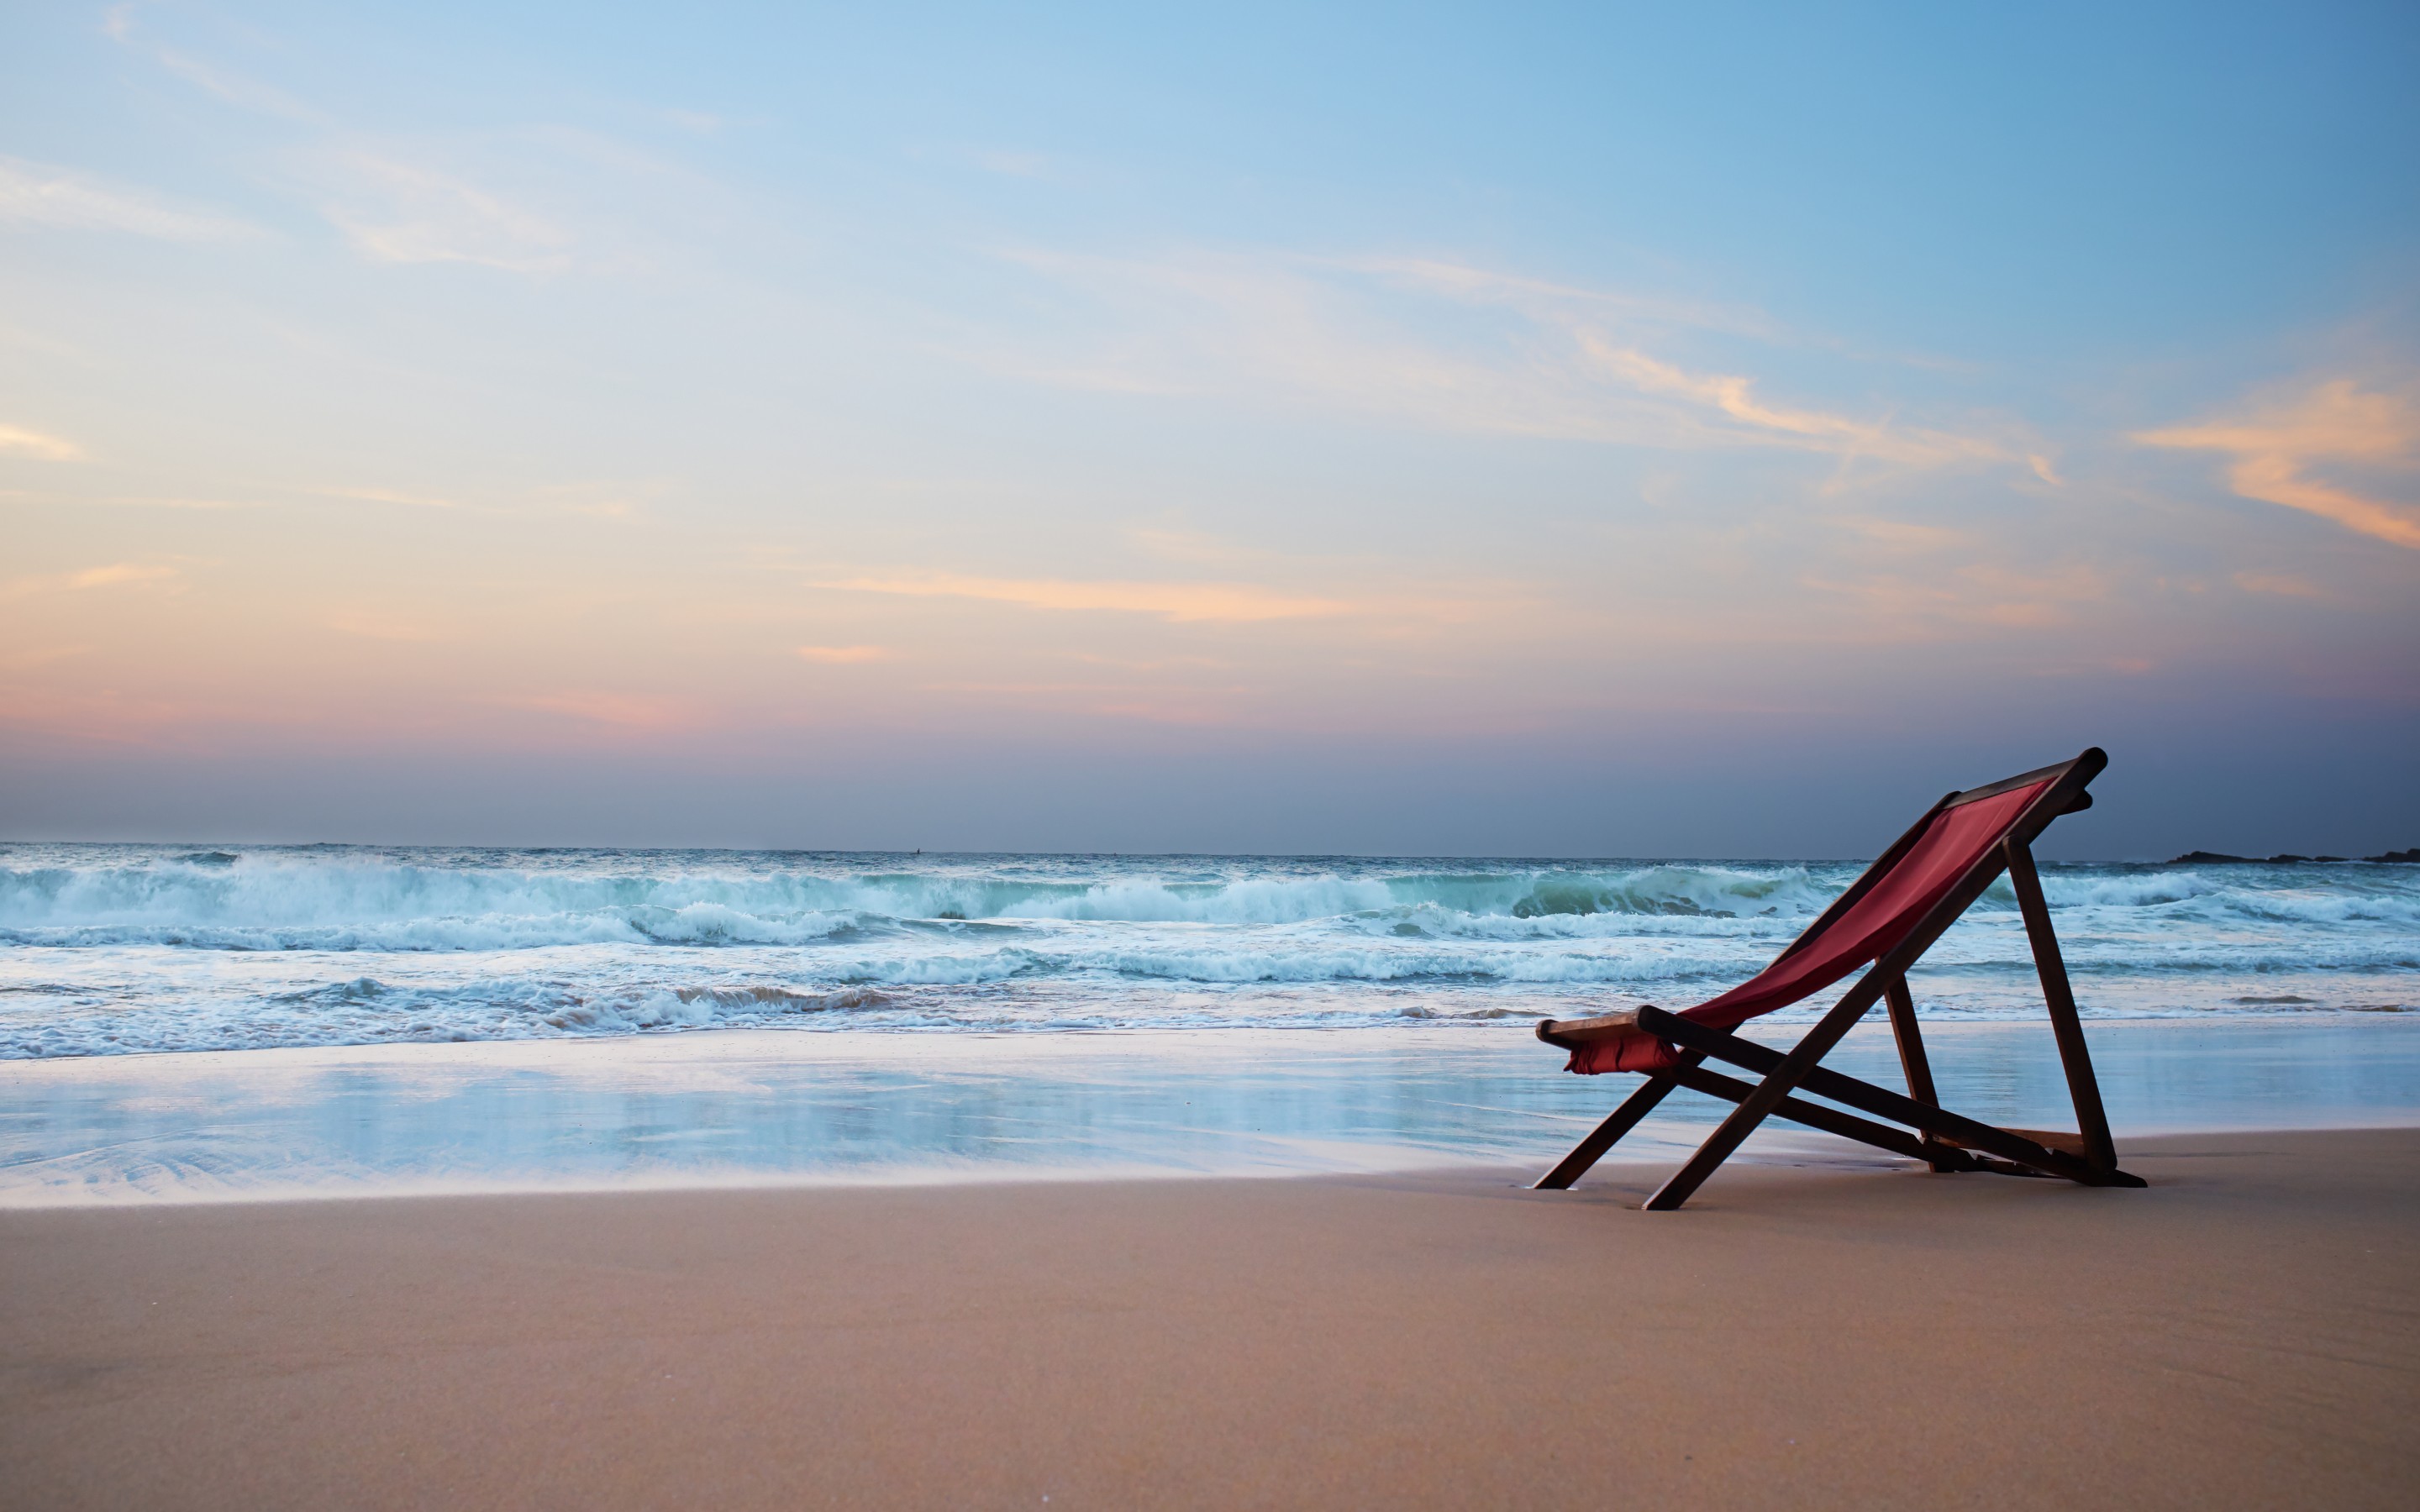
column 967, row 1043
column 2242, row 1334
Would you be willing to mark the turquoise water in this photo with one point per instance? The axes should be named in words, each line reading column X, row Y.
column 114, row 948
column 180, row 1023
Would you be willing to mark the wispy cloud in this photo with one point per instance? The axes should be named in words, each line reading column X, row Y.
column 391, row 206
column 404, row 212
column 2275, row 445
column 1236, row 602
column 234, row 90
column 1734, row 398
column 176, row 502
column 1552, row 303
column 116, row 575
column 2283, row 584
column 1455, row 347
column 1904, row 535
column 605, row 500
column 34, row 193
column 392, row 496
column 121, row 25
column 617, row 710
column 1901, row 607
column 21, row 442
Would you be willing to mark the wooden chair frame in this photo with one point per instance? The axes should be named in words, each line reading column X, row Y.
column 1943, row 1140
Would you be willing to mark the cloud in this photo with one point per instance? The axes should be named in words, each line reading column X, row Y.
column 2337, row 421
column 231, row 88
column 1444, row 345
column 123, row 572
column 1904, row 535
column 836, row 654
column 594, row 500
column 390, row 210
column 1735, row 398
column 176, row 501
column 400, row 212
column 34, row 193
column 23, row 442
column 2281, row 583
column 116, row 575
column 1978, row 595
column 390, row 496
column 621, row 711
column 1232, row 603
column 1549, row 301
column 244, row 94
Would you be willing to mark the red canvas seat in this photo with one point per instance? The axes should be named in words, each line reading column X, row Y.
column 1886, row 920
column 1951, row 842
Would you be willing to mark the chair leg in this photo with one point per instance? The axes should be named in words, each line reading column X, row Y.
column 2091, row 1118
column 1604, row 1136
column 1914, row 1062
column 1779, row 1083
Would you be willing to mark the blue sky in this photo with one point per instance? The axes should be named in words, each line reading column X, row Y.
column 1581, row 431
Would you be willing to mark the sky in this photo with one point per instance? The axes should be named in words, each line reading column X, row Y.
column 1529, row 430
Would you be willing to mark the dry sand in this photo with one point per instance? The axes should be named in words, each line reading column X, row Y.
column 2242, row 1334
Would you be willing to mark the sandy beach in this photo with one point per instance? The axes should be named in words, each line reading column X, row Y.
column 2242, row 1334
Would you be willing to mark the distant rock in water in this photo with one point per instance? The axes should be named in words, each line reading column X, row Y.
column 2410, row 857
column 2211, row 859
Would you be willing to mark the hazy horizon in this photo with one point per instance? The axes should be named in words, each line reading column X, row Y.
column 1574, row 859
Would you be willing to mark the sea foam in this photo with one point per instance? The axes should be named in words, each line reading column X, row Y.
column 114, row 948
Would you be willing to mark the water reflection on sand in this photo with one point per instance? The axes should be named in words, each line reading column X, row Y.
column 770, row 1107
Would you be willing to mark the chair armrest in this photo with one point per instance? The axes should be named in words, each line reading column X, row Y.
column 1570, row 1034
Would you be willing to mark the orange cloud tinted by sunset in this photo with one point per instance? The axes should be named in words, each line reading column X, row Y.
column 2336, row 421
column 23, row 442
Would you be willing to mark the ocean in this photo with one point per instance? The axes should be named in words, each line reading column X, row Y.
column 186, row 1022
column 106, row 949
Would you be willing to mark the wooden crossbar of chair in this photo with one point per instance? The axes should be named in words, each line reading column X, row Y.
column 1944, row 1140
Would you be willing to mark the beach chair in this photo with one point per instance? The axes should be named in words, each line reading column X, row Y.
column 1889, row 918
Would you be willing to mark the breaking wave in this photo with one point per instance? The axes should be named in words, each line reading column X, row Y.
column 108, row 948
column 282, row 900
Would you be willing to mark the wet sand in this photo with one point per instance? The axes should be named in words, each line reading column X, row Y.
column 2245, row 1334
